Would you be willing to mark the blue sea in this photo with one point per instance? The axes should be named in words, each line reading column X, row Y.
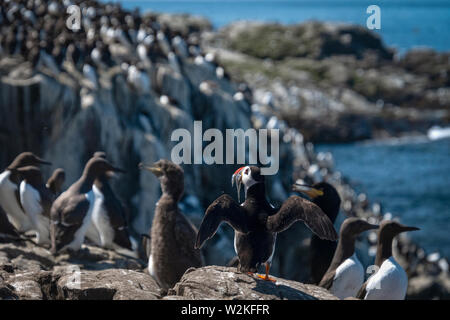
column 410, row 178
column 404, row 23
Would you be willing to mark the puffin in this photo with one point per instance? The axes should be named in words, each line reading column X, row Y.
column 390, row 282
column 256, row 222
column 172, row 235
column 36, row 200
column 108, row 216
column 325, row 196
column 345, row 275
column 71, row 212
column 56, row 181
column 9, row 190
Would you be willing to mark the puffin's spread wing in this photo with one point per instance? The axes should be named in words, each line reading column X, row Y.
column 225, row 209
column 296, row 208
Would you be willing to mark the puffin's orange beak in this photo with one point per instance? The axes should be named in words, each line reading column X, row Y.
column 237, row 177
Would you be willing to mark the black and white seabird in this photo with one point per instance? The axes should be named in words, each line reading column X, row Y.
column 36, row 200
column 71, row 212
column 390, row 282
column 172, row 234
column 56, row 181
column 345, row 275
column 108, row 216
column 325, row 196
column 9, row 190
column 7, row 230
column 256, row 222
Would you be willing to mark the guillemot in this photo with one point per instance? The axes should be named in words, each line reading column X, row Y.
column 172, row 234
column 71, row 212
column 36, row 200
column 56, row 181
column 325, row 196
column 256, row 223
column 108, row 216
column 345, row 275
column 390, row 281
column 9, row 190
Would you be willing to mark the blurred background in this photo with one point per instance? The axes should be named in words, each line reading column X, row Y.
column 367, row 110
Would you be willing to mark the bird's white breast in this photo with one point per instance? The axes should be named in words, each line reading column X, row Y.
column 348, row 279
column 100, row 219
column 30, row 199
column 9, row 203
column 388, row 283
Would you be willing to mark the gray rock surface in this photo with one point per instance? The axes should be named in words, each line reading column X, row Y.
column 214, row 282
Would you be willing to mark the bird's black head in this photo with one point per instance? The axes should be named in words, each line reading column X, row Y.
column 170, row 175
column 98, row 166
column 248, row 176
column 27, row 159
column 31, row 175
column 390, row 228
column 56, row 181
column 323, row 195
column 352, row 227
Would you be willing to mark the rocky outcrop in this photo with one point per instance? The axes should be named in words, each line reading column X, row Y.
column 65, row 118
column 30, row 272
column 214, row 282
column 336, row 82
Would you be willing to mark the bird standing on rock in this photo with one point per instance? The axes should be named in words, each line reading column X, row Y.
column 108, row 216
column 345, row 275
column 71, row 212
column 325, row 196
column 172, row 235
column 256, row 223
column 36, row 200
column 9, row 190
column 390, row 282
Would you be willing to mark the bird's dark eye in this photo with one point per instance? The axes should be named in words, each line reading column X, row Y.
column 246, row 171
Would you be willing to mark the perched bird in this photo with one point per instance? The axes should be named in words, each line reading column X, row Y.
column 325, row 196
column 345, row 275
column 71, row 212
column 36, row 200
column 56, row 181
column 7, row 230
column 172, row 234
column 9, row 190
column 390, row 281
column 108, row 216
column 256, row 223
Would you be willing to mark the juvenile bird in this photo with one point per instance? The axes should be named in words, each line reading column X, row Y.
column 172, row 234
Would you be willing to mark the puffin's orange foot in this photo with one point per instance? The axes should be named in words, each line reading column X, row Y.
column 266, row 278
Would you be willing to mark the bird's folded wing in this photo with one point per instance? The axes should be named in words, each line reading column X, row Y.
column 185, row 234
column 296, row 208
column 74, row 211
column 327, row 280
column 222, row 209
column 362, row 292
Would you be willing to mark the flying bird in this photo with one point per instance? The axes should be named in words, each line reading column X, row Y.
column 256, row 222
